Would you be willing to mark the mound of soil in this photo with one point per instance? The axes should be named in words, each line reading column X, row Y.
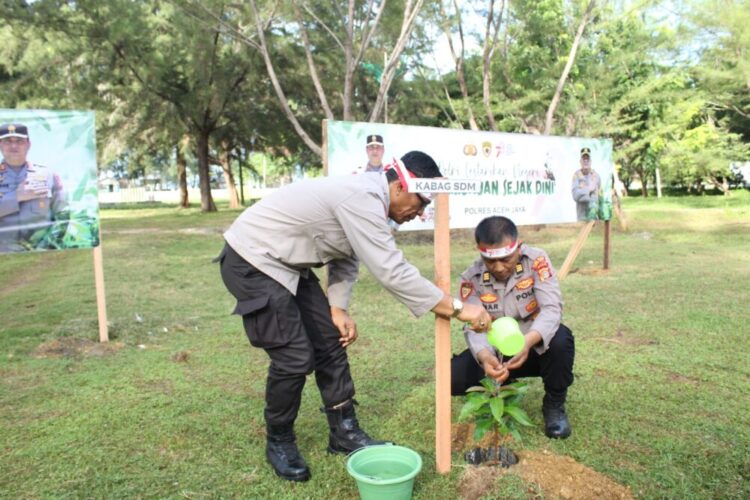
column 557, row 476
column 563, row 477
column 72, row 347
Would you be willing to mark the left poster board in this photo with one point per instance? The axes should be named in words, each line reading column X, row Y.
column 48, row 180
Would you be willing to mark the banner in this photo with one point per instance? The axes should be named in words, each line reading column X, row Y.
column 531, row 179
column 48, row 191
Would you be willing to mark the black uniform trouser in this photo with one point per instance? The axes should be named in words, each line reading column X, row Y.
column 555, row 367
column 297, row 333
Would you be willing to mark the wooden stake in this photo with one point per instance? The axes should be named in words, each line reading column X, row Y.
column 101, row 302
column 442, row 340
column 575, row 250
column 607, row 236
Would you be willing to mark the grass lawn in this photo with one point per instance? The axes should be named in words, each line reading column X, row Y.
column 660, row 402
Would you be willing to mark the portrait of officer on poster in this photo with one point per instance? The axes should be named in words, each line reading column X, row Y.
column 48, row 196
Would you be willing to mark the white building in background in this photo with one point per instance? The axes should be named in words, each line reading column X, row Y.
column 742, row 169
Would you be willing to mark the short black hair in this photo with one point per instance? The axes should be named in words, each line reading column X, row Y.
column 495, row 229
column 418, row 163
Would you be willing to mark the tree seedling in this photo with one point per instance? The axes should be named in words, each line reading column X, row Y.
column 495, row 408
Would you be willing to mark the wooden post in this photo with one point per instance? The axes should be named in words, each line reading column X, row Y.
column 101, row 302
column 619, row 213
column 607, row 236
column 442, row 340
column 575, row 250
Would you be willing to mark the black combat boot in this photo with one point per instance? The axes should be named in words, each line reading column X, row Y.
column 283, row 455
column 346, row 436
column 556, row 424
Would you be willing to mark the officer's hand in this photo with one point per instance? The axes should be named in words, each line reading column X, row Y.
column 477, row 316
column 346, row 325
column 518, row 360
column 494, row 369
column 531, row 339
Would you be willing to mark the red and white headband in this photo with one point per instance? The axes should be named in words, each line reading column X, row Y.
column 498, row 253
column 403, row 174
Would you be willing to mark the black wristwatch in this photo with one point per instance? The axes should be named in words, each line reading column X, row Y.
column 458, row 306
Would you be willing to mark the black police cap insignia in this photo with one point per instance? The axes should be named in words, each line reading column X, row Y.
column 14, row 130
column 374, row 139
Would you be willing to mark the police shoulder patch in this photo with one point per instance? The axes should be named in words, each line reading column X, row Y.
column 525, row 283
column 542, row 268
column 531, row 305
column 466, row 289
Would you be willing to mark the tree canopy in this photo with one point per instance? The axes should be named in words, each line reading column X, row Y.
column 210, row 83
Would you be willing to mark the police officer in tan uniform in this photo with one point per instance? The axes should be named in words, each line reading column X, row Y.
column 30, row 195
column 585, row 188
column 267, row 264
column 516, row 280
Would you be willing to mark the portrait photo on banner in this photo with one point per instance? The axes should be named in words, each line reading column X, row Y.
column 48, row 180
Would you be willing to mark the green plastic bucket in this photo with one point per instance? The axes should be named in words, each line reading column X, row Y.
column 384, row 472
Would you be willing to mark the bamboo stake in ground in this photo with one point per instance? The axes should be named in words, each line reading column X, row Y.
column 101, row 302
column 607, row 239
column 575, row 250
column 442, row 340
column 619, row 213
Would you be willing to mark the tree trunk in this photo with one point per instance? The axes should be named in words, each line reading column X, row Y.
column 283, row 100
column 182, row 171
column 722, row 185
column 226, row 165
column 644, row 181
column 549, row 120
column 492, row 30
column 204, row 176
column 458, row 61
column 389, row 71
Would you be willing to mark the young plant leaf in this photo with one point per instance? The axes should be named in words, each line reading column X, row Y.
column 488, row 383
column 482, row 426
column 518, row 415
column 477, row 397
column 521, row 387
column 476, row 388
column 473, row 405
column 496, row 405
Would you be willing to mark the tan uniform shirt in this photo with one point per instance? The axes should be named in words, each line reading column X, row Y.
column 333, row 221
column 531, row 296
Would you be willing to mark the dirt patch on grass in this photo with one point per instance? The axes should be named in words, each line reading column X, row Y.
column 478, row 481
column 187, row 230
column 682, row 379
column 621, row 337
column 563, row 477
column 556, row 476
column 462, row 438
column 72, row 347
column 592, row 271
column 19, row 281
